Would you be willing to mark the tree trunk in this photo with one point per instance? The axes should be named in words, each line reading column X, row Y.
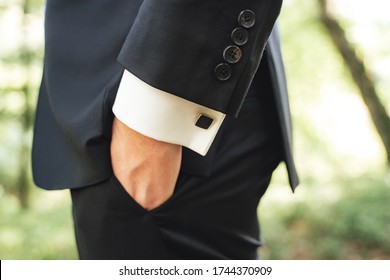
column 360, row 74
column 26, row 118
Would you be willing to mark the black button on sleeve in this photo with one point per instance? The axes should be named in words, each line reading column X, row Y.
column 232, row 54
column 247, row 19
column 204, row 122
column 240, row 36
column 223, row 71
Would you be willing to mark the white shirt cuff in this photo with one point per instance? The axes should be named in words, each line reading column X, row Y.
column 163, row 116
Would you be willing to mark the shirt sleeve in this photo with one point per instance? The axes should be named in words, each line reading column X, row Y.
column 165, row 117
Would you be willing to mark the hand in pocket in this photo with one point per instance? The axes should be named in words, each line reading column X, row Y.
column 147, row 169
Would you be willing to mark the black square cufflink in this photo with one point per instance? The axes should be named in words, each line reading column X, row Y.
column 204, row 121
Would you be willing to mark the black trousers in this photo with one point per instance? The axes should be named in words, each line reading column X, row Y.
column 213, row 216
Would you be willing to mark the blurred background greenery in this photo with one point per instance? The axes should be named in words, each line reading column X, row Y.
column 340, row 210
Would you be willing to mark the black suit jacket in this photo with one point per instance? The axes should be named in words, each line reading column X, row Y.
column 173, row 45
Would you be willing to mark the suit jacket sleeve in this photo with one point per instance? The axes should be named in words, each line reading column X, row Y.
column 203, row 51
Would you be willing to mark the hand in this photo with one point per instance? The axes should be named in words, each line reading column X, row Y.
column 146, row 168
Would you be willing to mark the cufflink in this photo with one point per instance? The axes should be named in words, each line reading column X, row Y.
column 204, row 121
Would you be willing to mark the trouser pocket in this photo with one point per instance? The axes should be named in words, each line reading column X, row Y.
column 109, row 224
column 134, row 204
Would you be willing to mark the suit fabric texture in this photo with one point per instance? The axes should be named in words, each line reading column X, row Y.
column 207, row 52
column 213, row 216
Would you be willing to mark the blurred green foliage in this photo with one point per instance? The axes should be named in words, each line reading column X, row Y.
column 341, row 209
column 21, row 63
column 355, row 224
column 44, row 231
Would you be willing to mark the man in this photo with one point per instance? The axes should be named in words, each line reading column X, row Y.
column 178, row 168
